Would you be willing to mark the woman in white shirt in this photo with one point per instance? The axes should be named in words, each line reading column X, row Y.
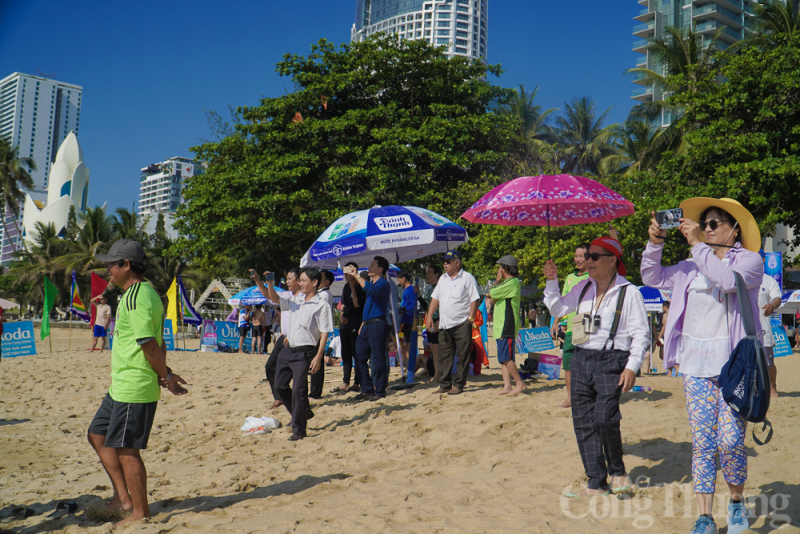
column 606, row 359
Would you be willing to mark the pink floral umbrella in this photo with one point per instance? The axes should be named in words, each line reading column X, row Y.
column 561, row 200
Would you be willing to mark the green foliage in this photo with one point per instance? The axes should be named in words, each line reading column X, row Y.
column 383, row 122
column 584, row 139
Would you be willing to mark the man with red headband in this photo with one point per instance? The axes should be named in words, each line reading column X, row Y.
column 610, row 335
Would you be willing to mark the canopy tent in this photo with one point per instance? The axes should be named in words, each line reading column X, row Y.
column 250, row 297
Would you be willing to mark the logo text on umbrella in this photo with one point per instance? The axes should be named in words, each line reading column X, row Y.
column 397, row 222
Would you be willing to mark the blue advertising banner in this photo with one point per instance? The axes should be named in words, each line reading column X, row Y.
column 534, row 340
column 782, row 346
column 228, row 333
column 773, row 266
column 169, row 338
column 18, row 339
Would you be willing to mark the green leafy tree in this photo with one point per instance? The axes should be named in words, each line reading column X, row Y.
column 14, row 180
column 379, row 122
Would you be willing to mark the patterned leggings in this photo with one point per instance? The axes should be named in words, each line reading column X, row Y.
column 715, row 426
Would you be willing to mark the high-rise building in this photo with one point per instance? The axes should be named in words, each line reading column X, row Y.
column 36, row 115
column 461, row 25
column 161, row 184
column 706, row 16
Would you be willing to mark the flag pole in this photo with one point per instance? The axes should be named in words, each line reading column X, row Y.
column 70, row 332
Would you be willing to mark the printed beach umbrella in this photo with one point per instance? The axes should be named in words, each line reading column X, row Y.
column 398, row 233
column 250, row 297
column 654, row 298
column 545, row 200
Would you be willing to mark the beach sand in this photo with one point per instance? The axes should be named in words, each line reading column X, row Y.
column 414, row 462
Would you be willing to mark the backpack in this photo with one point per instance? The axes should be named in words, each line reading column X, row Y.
column 744, row 379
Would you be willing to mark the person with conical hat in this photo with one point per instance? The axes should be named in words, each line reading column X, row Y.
column 704, row 326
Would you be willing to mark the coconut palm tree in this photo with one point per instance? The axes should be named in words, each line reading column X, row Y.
column 682, row 61
column 584, row 141
column 639, row 144
column 37, row 261
column 536, row 152
column 95, row 237
column 14, row 179
column 773, row 18
column 127, row 225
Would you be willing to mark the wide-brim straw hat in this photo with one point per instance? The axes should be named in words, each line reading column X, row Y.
column 750, row 234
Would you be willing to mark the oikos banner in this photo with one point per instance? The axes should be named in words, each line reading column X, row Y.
column 18, row 339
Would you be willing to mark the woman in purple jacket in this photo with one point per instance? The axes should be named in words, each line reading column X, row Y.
column 703, row 328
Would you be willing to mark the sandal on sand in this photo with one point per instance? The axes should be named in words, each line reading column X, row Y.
column 570, row 495
column 63, row 508
column 623, row 489
column 18, row 513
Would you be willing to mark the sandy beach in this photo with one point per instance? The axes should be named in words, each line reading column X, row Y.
column 414, row 462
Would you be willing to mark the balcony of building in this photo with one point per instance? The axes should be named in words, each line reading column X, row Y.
column 645, row 15
column 641, row 63
column 645, row 94
column 707, row 28
column 736, row 6
column 641, row 46
column 719, row 13
column 646, row 30
column 643, row 2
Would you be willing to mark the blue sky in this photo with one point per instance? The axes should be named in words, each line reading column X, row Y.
column 149, row 69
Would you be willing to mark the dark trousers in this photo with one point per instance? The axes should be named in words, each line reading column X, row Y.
column 349, row 335
column 272, row 365
column 595, row 412
column 291, row 382
column 457, row 339
column 317, row 380
column 371, row 353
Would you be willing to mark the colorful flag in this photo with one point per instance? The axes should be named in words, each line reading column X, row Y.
column 98, row 286
column 190, row 315
column 50, row 293
column 76, row 306
column 172, row 302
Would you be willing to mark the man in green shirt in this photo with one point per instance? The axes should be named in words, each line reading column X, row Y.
column 122, row 424
column 578, row 275
column 505, row 295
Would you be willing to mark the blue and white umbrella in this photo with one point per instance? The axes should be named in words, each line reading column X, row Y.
column 338, row 275
column 249, row 297
column 398, row 233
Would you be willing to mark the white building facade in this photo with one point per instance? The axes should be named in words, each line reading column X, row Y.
column 36, row 115
column 161, row 184
column 460, row 25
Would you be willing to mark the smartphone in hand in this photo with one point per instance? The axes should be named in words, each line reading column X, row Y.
column 269, row 276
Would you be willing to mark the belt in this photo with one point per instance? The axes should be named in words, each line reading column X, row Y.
column 303, row 348
column 375, row 320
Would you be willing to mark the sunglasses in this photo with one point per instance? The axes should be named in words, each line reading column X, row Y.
column 594, row 256
column 448, row 261
column 712, row 223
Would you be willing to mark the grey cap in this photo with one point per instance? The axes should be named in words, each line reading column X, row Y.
column 124, row 249
column 509, row 260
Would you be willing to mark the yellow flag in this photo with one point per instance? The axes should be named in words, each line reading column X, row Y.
column 172, row 303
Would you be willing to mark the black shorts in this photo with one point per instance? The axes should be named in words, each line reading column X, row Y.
column 124, row 424
column 258, row 330
column 433, row 337
column 405, row 329
column 243, row 331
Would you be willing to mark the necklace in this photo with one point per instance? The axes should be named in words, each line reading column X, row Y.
column 594, row 310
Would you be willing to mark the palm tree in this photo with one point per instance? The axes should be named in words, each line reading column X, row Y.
column 682, row 61
column 774, row 17
column 94, row 237
column 14, row 179
column 38, row 260
column 585, row 142
column 127, row 225
column 536, row 154
column 640, row 143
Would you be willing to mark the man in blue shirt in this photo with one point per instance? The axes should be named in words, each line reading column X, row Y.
column 407, row 309
column 371, row 343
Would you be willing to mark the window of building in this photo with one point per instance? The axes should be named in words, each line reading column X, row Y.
column 442, row 24
column 462, row 34
column 418, row 16
column 428, row 7
column 442, row 41
column 465, row 9
column 443, row 15
column 442, row 32
column 461, row 42
column 461, row 50
column 428, row 16
column 459, row 16
column 419, row 25
column 462, row 26
column 419, row 34
column 428, row 34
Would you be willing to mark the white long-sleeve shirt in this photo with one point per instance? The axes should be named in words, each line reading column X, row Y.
column 632, row 332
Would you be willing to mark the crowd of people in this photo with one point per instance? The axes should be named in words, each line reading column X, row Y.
column 606, row 340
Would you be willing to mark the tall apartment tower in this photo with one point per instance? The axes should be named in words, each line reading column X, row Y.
column 461, row 25
column 161, row 184
column 36, row 114
column 706, row 16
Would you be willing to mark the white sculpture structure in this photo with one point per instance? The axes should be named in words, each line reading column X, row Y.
column 68, row 186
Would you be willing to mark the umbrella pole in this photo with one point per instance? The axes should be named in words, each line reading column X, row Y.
column 548, row 232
